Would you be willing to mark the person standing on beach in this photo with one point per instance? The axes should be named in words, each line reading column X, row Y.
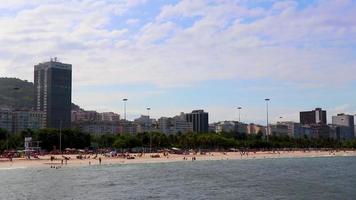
column 99, row 160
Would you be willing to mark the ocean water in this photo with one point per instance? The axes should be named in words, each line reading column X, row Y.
column 298, row 178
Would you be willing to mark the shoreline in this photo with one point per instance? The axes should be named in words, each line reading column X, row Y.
column 45, row 161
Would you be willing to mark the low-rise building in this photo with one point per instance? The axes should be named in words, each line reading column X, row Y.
column 242, row 128
column 6, row 121
column 226, row 126
column 23, row 120
column 109, row 116
column 15, row 121
column 128, row 127
column 319, row 131
column 98, row 128
column 144, row 124
column 174, row 125
column 231, row 126
column 96, row 123
column 279, row 130
column 295, row 130
column 256, row 129
column 212, row 127
column 83, row 115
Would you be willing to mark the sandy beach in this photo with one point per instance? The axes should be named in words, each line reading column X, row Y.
column 45, row 161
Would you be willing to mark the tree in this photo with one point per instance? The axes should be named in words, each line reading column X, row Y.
column 3, row 134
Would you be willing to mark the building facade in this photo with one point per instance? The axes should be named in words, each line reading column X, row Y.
column 174, row 125
column 295, row 130
column 317, row 116
column 344, row 125
column 96, row 123
column 128, row 127
column 23, row 120
column 279, row 130
column 53, row 93
column 256, row 129
column 98, row 128
column 20, row 120
column 6, row 121
column 109, row 116
column 144, row 124
column 225, row 126
column 315, row 121
column 83, row 115
column 199, row 120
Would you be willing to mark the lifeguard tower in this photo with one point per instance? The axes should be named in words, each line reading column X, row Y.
column 32, row 146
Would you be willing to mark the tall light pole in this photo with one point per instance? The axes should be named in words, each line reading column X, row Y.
column 267, row 130
column 124, row 127
column 239, row 108
column 125, row 100
column 148, row 114
column 13, row 108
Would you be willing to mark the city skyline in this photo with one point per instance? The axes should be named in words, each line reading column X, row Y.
column 178, row 56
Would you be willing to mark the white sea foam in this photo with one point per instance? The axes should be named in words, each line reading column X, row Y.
column 12, row 168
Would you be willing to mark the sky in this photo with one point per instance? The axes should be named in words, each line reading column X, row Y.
column 179, row 55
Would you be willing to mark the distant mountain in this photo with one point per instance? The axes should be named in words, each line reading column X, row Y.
column 17, row 93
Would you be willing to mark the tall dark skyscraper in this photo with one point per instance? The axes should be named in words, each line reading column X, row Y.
column 199, row 119
column 316, row 120
column 317, row 116
column 53, row 92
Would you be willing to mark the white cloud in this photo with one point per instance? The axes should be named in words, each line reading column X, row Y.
column 284, row 42
column 224, row 40
column 132, row 21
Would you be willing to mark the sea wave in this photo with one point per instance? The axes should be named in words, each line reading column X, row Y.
column 11, row 168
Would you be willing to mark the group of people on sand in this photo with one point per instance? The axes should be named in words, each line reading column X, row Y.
column 193, row 158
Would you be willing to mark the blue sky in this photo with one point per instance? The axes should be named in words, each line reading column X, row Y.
column 176, row 56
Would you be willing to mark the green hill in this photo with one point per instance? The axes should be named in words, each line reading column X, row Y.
column 17, row 93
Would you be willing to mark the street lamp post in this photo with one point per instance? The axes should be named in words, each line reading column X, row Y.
column 267, row 131
column 125, row 100
column 148, row 114
column 13, row 108
column 124, row 127
column 239, row 108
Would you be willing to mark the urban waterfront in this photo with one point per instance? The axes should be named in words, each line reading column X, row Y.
column 282, row 178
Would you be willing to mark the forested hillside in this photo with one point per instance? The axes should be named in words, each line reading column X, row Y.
column 17, row 93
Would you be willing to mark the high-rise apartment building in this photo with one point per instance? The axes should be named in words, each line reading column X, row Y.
column 315, row 121
column 317, row 116
column 53, row 92
column 343, row 120
column 344, row 126
column 199, row 119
